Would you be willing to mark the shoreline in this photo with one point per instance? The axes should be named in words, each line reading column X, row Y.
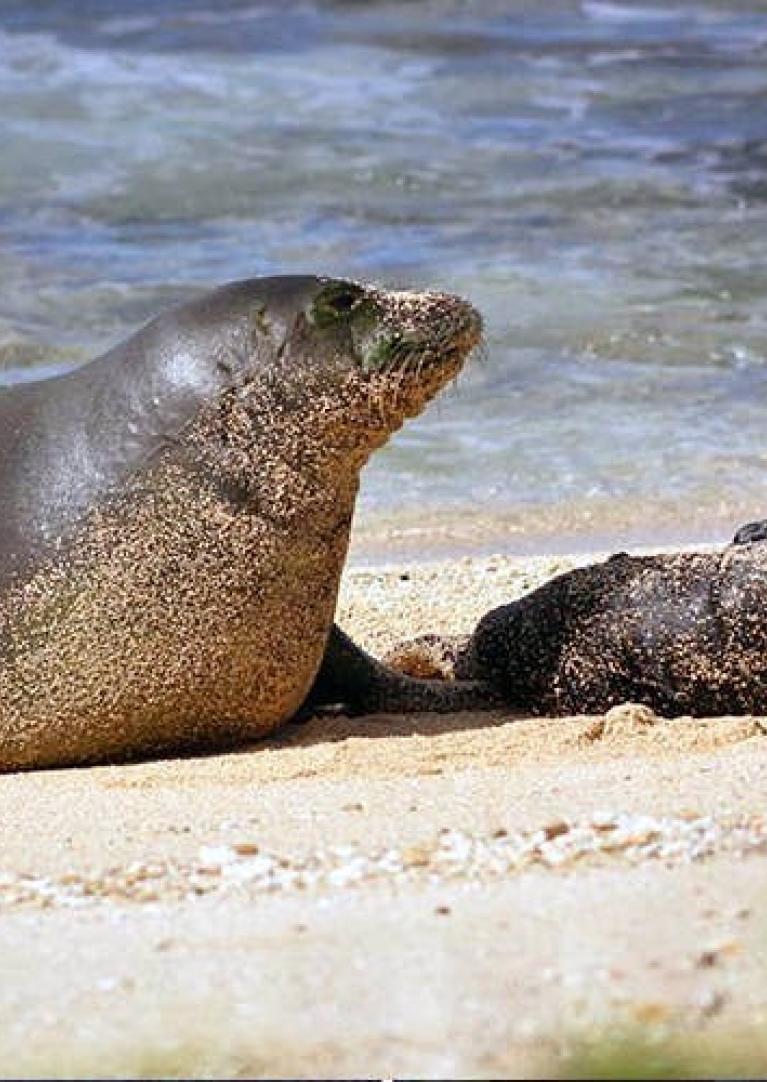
column 429, row 534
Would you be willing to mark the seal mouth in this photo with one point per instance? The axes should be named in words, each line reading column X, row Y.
column 424, row 331
column 466, row 340
column 413, row 374
column 439, row 356
column 418, row 345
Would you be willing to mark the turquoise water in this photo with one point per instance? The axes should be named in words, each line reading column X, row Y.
column 592, row 175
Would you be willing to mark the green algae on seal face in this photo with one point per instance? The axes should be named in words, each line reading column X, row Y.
column 177, row 514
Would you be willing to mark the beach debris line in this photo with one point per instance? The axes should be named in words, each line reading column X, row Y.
column 453, row 855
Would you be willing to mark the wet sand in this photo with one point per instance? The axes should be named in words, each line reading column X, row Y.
column 532, row 529
column 386, row 896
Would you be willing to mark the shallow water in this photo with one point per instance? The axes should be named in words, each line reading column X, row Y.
column 592, row 175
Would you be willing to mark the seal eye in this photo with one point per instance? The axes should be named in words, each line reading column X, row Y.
column 337, row 301
column 344, row 301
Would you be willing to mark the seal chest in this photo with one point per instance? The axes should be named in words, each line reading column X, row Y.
column 175, row 586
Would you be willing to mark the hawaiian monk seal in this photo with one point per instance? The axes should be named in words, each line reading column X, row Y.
column 176, row 514
column 682, row 633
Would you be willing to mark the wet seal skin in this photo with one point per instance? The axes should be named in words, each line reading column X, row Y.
column 683, row 634
column 176, row 517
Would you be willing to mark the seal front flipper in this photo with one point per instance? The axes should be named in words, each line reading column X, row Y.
column 353, row 678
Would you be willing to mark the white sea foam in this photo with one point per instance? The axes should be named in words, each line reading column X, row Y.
column 604, row 11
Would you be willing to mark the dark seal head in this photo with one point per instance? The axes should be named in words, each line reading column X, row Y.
column 177, row 512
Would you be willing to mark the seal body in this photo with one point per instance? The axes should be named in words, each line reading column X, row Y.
column 683, row 634
column 176, row 514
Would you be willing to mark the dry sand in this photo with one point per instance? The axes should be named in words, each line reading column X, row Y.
column 387, row 896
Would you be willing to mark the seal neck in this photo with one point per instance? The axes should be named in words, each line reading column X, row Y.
column 269, row 457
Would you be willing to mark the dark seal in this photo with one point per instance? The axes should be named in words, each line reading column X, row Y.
column 176, row 516
column 683, row 634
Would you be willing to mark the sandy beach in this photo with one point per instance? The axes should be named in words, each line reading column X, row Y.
column 481, row 894
column 426, row 896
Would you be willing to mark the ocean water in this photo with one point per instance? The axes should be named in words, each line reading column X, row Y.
column 592, row 174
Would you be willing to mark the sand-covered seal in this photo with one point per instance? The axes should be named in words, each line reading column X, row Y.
column 683, row 634
column 176, row 514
